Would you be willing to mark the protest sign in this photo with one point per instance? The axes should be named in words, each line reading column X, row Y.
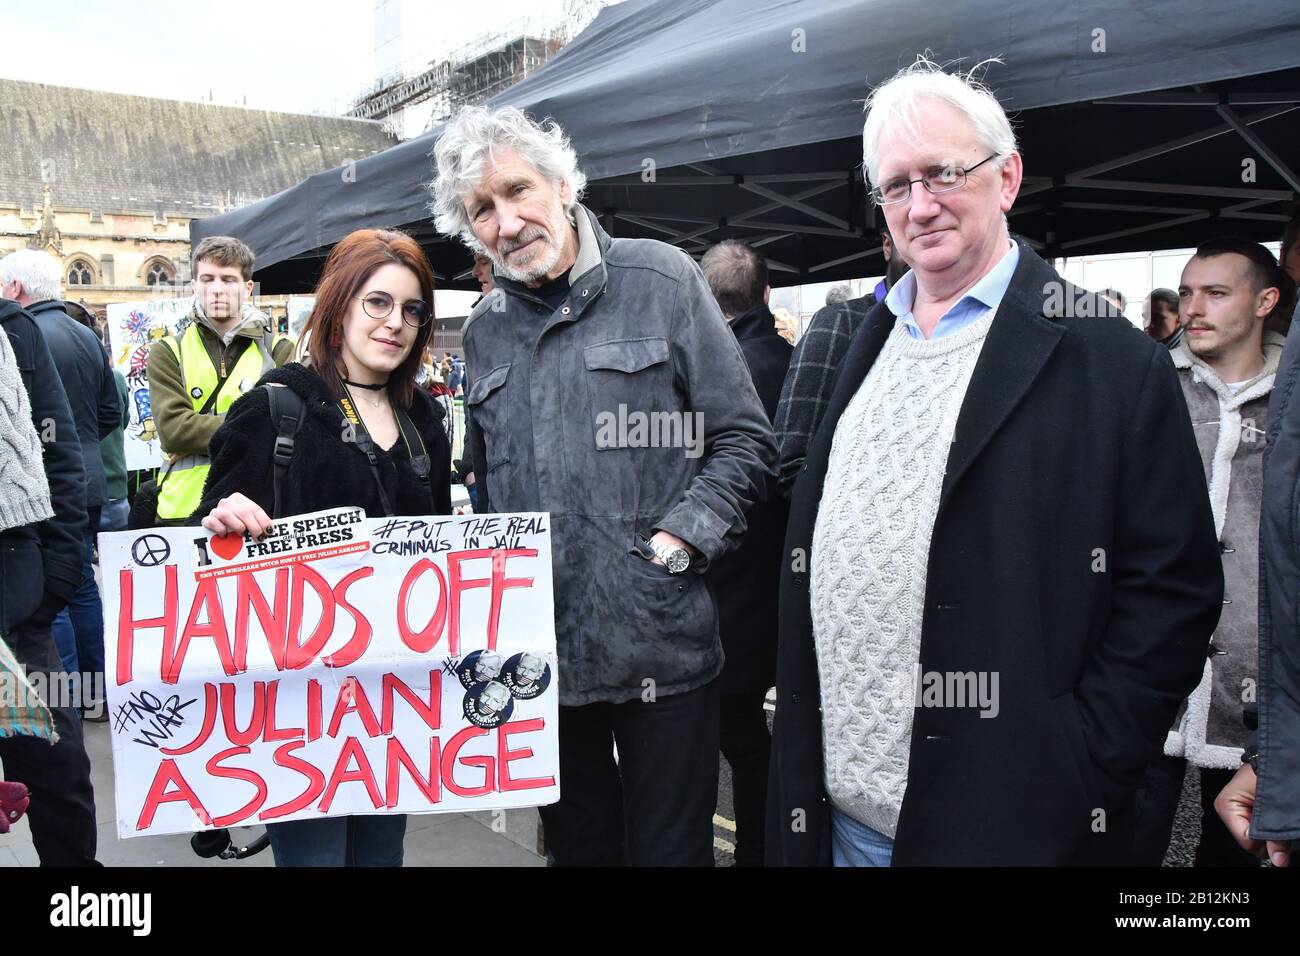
column 133, row 327
column 340, row 665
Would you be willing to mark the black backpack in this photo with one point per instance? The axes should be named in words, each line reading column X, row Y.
column 287, row 411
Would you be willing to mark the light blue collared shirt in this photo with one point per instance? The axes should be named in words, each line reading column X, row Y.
column 982, row 298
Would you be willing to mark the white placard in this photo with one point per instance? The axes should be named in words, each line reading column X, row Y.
column 133, row 329
column 341, row 665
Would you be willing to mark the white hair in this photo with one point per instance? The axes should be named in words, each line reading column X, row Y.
column 893, row 106
column 839, row 293
column 37, row 271
column 470, row 137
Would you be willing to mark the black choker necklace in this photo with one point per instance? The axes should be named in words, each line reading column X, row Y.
column 373, row 388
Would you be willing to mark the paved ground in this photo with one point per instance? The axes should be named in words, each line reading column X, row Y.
column 442, row 839
column 1182, row 844
column 1187, row 823
column 439, row 839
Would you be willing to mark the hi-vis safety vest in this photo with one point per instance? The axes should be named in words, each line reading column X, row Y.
column 182, row 490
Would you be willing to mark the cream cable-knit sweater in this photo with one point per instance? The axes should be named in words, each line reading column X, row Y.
column 24, row 490
column 869, row 554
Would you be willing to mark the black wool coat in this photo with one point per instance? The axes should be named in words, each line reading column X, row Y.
column 41, row 565
column 88, row 382
column 326, row 471
column 745, row 582
column 1073, row 555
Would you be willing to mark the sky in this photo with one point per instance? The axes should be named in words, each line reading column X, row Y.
column 270, row 54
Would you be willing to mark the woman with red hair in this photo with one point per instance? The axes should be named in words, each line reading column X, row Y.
column 369, row 438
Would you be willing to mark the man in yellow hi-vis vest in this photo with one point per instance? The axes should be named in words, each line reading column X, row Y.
column 195, row 379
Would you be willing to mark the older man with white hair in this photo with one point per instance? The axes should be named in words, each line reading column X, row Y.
column 1003, row 579
column 607, row 390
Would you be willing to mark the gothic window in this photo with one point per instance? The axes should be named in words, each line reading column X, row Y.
column 79, row 273
column 159, row 274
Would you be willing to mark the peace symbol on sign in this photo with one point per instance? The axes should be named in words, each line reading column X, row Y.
column 150, row 550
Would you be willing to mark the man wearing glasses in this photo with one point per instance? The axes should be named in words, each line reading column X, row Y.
column 195, row 378
column 1010, row 578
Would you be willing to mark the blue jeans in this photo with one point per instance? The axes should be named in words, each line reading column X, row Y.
column 856, row 844
column 115, row 515
column 339, row 841
column 79, row 627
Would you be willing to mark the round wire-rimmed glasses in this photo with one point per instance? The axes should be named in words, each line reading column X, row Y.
column 379, row 305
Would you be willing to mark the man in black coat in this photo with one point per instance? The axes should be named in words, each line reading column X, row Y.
column 40, row 570
column 31, row 278
column 745, row 582
column 1002, row 574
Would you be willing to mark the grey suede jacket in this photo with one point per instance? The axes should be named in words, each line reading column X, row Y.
column 566, row 413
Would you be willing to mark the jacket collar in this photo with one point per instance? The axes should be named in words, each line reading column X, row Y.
column 253, row 323
column 755, row 323
column 1020, row 341
column 9, row 308
column 1257, row 387
column 593, row 243
column 46, row 305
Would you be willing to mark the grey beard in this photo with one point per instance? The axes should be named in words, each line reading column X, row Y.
column 537, row 268
column 543, row 262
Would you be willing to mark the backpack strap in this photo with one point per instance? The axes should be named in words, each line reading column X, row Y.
column 420, row 463
column 174, row 344
column 287, row 408
column 212, row 399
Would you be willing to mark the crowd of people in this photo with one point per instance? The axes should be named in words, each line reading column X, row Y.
column 1012, row 566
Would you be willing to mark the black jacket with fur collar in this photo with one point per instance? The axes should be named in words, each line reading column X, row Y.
column 326, row 471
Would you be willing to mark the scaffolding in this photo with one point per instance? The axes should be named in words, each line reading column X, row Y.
column 469, row 75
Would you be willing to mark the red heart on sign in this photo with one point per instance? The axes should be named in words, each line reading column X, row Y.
column 228, row 545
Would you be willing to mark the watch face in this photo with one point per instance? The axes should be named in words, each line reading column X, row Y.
column 678, row 561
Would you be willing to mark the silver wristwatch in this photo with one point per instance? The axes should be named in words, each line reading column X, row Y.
column 676, row 560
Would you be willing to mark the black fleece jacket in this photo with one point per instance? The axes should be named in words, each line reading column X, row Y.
column 88, row 382
column 326, row 471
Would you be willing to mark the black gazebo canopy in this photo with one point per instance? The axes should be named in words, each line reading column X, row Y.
column 1143, row 126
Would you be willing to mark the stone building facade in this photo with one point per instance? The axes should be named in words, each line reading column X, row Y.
column 108, row 183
